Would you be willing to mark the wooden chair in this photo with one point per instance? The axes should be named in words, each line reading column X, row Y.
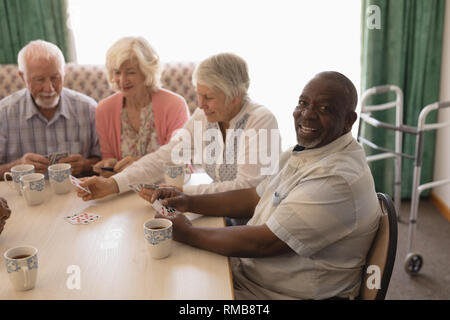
column 382, row 253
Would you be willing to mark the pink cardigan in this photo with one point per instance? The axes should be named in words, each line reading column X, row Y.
column 169, row 110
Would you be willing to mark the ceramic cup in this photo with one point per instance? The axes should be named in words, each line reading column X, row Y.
column 32, row 186
column 58, row 175
column 176, row 174
column 158, row 233
column 16, row 173
column 22, row 267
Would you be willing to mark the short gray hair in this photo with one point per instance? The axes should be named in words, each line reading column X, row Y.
column 226, row 72
column 39, row 49
column 129, row 48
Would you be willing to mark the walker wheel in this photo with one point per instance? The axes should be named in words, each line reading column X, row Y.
column 413, row 263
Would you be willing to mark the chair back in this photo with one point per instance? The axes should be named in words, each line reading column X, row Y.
column 381, row 257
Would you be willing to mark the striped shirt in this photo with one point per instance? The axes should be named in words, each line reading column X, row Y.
column 23, row 129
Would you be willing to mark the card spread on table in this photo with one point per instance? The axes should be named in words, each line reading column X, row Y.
column 158, row 206
column 76, row 182
column 54, row 157
column 82, row 218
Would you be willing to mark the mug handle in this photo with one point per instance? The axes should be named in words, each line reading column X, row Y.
column 187, row 175
column 25, row 271
column 6, row 174
column 23, row 189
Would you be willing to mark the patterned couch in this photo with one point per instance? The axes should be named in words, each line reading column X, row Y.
column 91, row 80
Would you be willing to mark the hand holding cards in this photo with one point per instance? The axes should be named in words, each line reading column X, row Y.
column 54, row 157
column 76, row 182
column 162, row 209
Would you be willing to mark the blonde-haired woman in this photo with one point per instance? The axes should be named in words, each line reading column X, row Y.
column 141, row 116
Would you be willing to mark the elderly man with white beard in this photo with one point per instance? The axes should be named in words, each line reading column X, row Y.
column 44, row 118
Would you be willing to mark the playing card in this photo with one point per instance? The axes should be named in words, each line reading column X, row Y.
column 149, row 186
column 82, row 218
column 159, row 207
column 54, row 157
column 51, row 158
column 76, row 183
column 137, row 187
column 60, row 155
column 72, row 218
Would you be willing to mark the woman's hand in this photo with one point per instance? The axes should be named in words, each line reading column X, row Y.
column 106, row 163
column 125, row 162
column 98, row 186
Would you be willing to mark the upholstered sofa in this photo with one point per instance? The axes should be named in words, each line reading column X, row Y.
column 91, row 80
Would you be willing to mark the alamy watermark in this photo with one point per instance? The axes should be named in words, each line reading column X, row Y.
column 73, row 281
column 205, row 147
column 373, row 17
column 374, row 280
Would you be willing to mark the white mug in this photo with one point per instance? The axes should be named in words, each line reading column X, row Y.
column 17, row 172
column 32, row 186
column 176, row 174
column 58, row 174
column 22, row 267
column 158, row 233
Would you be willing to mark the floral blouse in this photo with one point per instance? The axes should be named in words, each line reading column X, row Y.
column 138, row 144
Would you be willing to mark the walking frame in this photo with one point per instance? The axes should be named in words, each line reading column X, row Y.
column 413, row 261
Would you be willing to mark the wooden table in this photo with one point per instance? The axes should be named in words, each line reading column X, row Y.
column 110, row 253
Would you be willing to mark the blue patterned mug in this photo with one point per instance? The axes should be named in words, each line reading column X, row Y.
column 158, row 233
column 22, row 266
column 176, row 174
column 58, row 174
column 32, row 186
column 17, row 172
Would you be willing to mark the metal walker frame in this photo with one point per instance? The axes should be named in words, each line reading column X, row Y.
column 413, row 261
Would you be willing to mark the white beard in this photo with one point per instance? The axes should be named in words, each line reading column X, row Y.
column 47, row 105
column 309, row 144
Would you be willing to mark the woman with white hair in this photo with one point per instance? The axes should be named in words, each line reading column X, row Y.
column 211, row 137
column 141, row 116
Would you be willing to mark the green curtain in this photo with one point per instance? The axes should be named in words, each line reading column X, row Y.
column 405, row 51
column 22, row 21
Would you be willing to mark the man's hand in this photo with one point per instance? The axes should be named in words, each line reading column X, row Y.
column 171, row 197
column 100, row 187
column 39, row 162
column 111, row 162
column 5, row 213
column 181, row 225
column 77, row 163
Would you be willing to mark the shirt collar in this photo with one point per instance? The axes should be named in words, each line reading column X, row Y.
column 32, row 110
column 237, row 117
column 330, row 148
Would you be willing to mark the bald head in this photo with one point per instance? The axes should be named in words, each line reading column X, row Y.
column 325, row 110
column 349, row 95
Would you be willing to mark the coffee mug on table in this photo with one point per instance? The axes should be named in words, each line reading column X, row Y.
column 17, row 172
column 158, row 233
column 32, row 186
column 58, row 175
column 176, row 174
column 22, row 266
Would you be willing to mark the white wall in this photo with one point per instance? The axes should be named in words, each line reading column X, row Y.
column 285, row 42
column 442, row 156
